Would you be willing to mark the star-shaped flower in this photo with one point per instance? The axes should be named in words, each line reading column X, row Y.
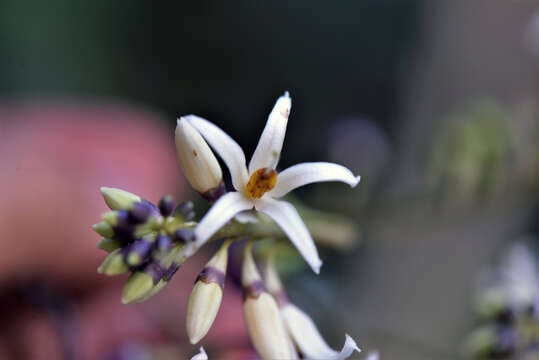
column 259, row 185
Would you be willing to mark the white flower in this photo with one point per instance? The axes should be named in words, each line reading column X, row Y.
column 259, row 185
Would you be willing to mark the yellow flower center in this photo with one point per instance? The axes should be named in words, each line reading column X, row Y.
column 261, row 181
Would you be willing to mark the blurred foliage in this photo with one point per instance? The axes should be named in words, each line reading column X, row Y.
column 471, row 155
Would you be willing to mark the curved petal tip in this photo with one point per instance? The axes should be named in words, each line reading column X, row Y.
column 358, row 179
column 349, row 346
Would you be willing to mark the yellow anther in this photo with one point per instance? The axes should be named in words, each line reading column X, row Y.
column 262, row 181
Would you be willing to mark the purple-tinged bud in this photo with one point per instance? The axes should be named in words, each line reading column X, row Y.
column 184, row 235
column 261, row 313
column 138, row 252
column 166, row 205
column 205, row 299
column 141, row 211
column 164, row 242
column 213, row 194
column 185, row 210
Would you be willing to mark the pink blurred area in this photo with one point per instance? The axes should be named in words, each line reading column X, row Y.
column 54, row 158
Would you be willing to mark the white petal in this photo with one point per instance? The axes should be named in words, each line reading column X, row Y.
column 201, row 355
column 286, row 216
column 220, row 213
column 226, row 147
column 269, row 146
column 373, row 355
column 308, row 339
column 246, row 217
column 306, row 173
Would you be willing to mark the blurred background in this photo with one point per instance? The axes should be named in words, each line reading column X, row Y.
column 434, row 103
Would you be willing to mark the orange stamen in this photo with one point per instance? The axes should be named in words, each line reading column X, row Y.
column 261, row 181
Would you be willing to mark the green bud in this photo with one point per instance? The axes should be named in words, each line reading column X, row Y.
column 117, row 199
column 137, row 287
column 111, row 218
column 108, row 244
column 113, row 264
column 104, row 229
column 158, row 287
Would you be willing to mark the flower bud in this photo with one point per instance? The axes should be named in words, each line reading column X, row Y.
column 166, row 205
column 117, row 199
column 264, row 323
column 113, row 264
column 205, row 299
column 199, row 164
column 141, row 285
column 108, row 244
column 139, row 251
column 185, row 210
column 138, row 285
column 104, row 229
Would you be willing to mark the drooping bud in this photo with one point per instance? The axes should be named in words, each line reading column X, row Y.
column 264, row 323
column 205, row 299
column 300, row 326
column 108, row 244
column 104, row 229
column 113, row 264
column 117, row 199
column 199, row 164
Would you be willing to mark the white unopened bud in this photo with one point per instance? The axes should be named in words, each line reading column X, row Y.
column 205, row 299
column 199, row 164
column 118, row 199
column 264, row 323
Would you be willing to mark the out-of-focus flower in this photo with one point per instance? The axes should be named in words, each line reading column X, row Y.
column 507, row 305
column 258, row 185
column 301, row 327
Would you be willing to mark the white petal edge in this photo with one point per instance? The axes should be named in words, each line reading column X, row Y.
column 219, row 214
column 201, row 355
column 288, row 219
column 269, row 146
column 308, row 339
column 246, row 217
column 373, row 355
column 226, row 147
column 307, row 173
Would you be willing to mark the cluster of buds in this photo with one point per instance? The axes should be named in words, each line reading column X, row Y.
column 507, row 309
column 143, row 239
